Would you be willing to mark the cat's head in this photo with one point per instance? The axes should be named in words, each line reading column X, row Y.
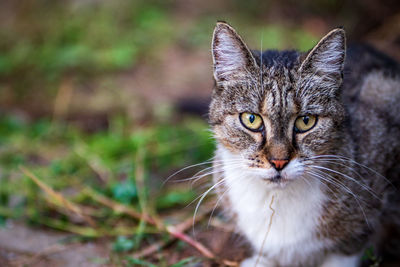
column 273, row 112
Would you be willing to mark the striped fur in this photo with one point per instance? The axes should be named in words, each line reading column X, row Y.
column 332, row 200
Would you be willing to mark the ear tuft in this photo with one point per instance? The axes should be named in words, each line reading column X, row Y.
column 327, row 57
column 231, row 57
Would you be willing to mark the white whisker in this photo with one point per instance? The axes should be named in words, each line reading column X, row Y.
column 368, row 189
column 344, row 159
column 202, row 197
column 334, row 181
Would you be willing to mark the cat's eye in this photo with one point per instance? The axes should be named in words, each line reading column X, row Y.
column 251, row 121
column 305, row 123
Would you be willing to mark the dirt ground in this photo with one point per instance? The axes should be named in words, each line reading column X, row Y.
column 31, row 246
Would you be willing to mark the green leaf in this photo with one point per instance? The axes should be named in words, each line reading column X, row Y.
column 122, row 244
column 124, row 192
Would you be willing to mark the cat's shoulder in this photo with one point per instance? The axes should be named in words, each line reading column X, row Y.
column 372, row 81
column 362, row 59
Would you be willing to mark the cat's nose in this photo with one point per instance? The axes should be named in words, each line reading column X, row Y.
column 279, row 164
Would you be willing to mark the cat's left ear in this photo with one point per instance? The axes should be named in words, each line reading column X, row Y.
column 326, row 59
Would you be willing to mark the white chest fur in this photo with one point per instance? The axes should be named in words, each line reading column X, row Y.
column 297, row 209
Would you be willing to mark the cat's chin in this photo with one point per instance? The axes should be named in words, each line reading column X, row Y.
column 277, row 181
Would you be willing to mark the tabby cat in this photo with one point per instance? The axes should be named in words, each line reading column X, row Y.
column 308, row 149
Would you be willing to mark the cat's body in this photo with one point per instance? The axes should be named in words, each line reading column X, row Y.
column 318, row 181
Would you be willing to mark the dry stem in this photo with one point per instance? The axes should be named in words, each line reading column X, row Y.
column 269, row 228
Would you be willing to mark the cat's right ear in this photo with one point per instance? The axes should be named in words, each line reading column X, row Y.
column 231, row 57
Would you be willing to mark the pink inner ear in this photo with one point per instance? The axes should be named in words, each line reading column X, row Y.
column 228, row 57
column 327, row 57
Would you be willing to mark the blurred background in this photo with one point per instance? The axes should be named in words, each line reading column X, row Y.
column 101, row 101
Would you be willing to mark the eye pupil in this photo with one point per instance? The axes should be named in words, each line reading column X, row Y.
column 252, row 118
column 306, row 119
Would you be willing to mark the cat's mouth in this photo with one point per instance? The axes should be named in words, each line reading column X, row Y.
column 278, row 179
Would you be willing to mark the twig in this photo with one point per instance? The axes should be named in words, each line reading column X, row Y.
column 57, row 197
column 153, row 248
column 140, row 180
column 93, row 162
column 118, row 207
column 182, row 227
column 200, row 247
column 269, row 228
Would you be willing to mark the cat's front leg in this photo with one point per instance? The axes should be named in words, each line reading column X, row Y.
column 337, row 260
column 258, row 261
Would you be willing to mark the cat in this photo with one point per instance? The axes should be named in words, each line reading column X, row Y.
column 308, row 149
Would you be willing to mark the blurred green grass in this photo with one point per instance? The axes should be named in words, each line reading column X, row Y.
column 69, row 160
column 65, row 157
column 88, row 38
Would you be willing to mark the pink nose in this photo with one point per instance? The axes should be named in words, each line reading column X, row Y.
column 279, row 164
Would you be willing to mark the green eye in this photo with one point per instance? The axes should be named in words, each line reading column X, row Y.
column 251, row 121
column 305, row 123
